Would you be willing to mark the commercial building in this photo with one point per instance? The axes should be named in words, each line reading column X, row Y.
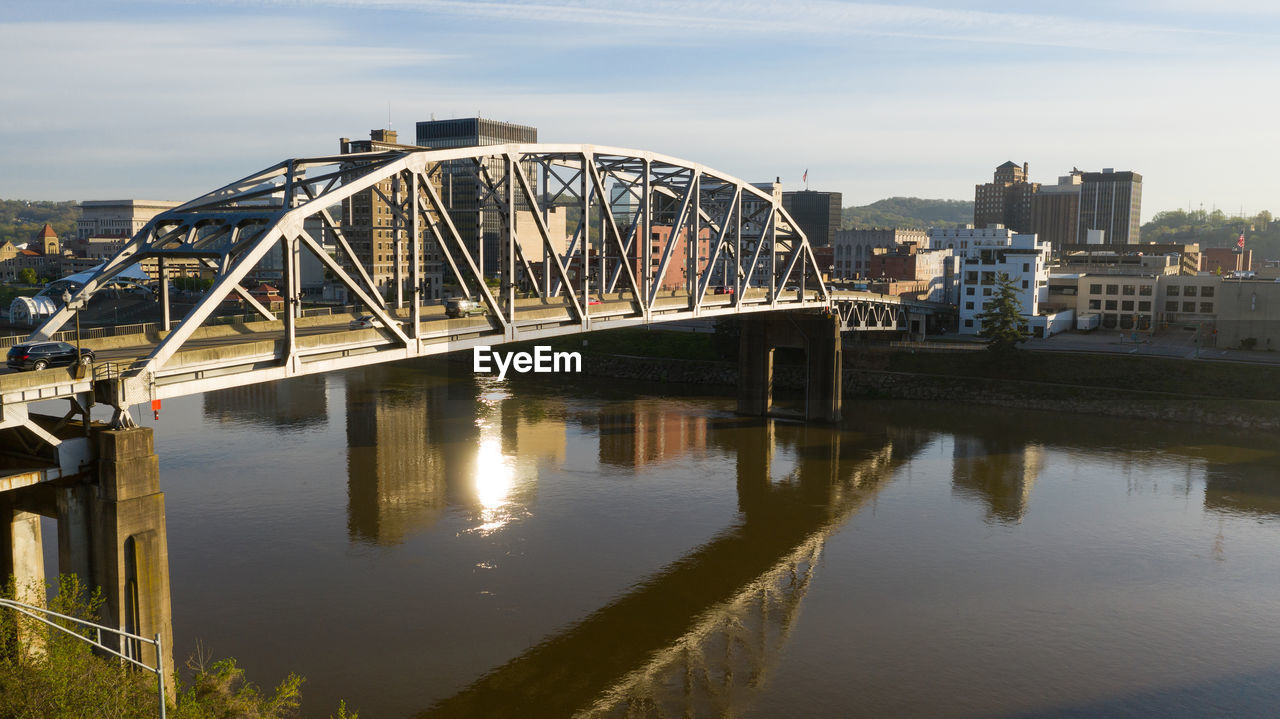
column 117, row 218
column 1125, row 302
column 853, row 249
column 41, row 255
column 375, row 234
column 1248, row 314
column 985, row 255
column 479, row 223
column 1223, row 260
column 909, row 263
column 1055, row 210
column 1112, row 202
column 1185, row 256
column 817, row 214
column 1118, row 263
column 1006, row 200
column 1189, row 300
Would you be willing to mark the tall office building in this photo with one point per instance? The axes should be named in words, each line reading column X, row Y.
column 1112, row 202
column 1006, row 200
column 367, row 225
column 479, row 226
column 1055, row 211
column 817, row 214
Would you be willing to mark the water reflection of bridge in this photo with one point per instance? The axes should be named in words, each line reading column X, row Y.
column 700, row 635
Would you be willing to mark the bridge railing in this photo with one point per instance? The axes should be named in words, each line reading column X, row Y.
column 90, row 333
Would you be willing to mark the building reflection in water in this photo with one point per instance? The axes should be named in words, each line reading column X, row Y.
column 419, row 446
column 996, row 472
column 643, row 431
column 699, row 636
column 294, row 404
column 1245, row 485
column 396, row 482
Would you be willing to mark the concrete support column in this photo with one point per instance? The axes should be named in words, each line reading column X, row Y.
column 755, row 368
column 818, row 336
column 130, row 556
column 823, row 399
column 74, row 548
column 22, row 553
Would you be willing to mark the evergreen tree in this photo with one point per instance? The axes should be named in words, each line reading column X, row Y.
column 1002, row 323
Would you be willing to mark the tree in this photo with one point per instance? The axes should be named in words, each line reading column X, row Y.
column 27, row 276
column 1002, row 323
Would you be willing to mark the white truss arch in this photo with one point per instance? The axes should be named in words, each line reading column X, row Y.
column 700, row 226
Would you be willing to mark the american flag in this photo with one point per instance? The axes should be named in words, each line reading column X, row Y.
column 1240, row 242
column 806, row 175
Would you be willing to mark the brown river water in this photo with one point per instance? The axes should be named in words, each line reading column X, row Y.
column 570, row 547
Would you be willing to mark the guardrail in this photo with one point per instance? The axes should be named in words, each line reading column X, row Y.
column 91, row 333
column 945, row 346
column 131, row 643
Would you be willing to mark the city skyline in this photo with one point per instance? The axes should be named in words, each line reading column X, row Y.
column 148, row 99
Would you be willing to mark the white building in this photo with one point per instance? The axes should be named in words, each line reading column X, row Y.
column 986, row 254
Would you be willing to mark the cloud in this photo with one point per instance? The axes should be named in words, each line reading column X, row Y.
column 821, row 19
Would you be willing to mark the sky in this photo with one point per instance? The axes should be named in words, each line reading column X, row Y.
column 168, row 100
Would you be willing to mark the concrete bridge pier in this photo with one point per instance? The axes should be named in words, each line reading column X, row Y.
column 111, row 534
column 22, row 555
column 128, row 545
column 818, row 336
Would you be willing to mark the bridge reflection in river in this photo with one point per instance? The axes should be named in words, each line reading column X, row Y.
column 478, row 548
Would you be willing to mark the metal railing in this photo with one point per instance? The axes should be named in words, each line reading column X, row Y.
column 132, row 643
column 946, row 346
column 92, row 333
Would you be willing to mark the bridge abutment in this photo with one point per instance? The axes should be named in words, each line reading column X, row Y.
column 818, row 336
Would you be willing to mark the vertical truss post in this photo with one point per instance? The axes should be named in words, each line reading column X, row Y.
column 162, row 271
column 692, row 246
column 416, row 239
column 773, row 256
column 737, row 254
column 396, row 245
column 288, row 245
column 584, row 266
column 509, row 229
column 644, row 246
column 481, row 199
column 546, row 217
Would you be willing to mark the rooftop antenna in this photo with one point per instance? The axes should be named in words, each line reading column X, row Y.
column 388, row 114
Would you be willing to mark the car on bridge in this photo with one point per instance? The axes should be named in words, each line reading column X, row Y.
column 42, row 355
column 724, row 290
column 365, row 322
column 462, row 307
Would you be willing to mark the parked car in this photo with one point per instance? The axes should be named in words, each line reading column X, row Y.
column 462, row 307
column 41, row 355
column 365, row 322
column 724, row 290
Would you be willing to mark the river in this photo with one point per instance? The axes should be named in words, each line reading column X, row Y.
column 423, row 545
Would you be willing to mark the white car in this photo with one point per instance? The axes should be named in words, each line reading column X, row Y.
column 365, row 322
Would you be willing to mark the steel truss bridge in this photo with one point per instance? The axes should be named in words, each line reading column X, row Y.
column 613, row 269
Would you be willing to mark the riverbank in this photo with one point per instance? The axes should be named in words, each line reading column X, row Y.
column 1234, row 395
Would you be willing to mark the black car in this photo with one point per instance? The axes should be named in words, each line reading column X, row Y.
column 39, row 355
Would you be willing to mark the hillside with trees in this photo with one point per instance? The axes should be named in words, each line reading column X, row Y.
column 1216, row 229
column 908, row 212
column 20, row 220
